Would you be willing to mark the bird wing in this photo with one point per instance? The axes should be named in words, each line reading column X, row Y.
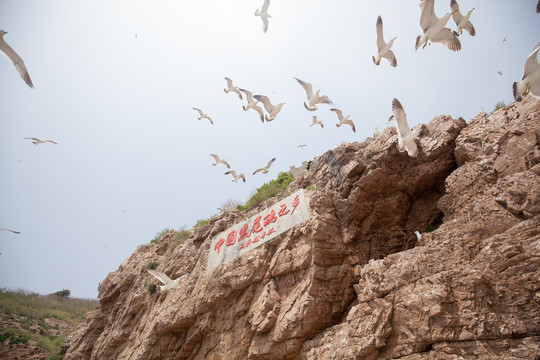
column 216, row 157
column 349, row 122
column 265, row 23
column 237, row 93
column 229, row 83
column 457, row 16
column 270, row 163
column 258, row 109
column 427, row 16
column 210, row 119
column 258, row 170
column 241, row 176
column 266, row 102
column 401, row 118
column 538, row 7
column 324, row 99
column 307, row 87
column 391, row 57
column 160, row 276
column 338, row 112
column 13, row 231
column 447, row 38
column 469, row 28
column 50, row 141
column 35, row 139
column 265, row 6
column 199, row 111
column 249, row 95
column 16, row 60
column 531, row 63
column 380, row 38
column 232, row 172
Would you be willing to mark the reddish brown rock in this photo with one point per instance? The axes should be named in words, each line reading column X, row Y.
column 353, row 282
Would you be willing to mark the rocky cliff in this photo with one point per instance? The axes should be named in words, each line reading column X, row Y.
column 353, row 281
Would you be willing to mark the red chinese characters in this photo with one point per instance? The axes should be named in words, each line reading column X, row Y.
column 270, row 218
column 231, row 238
column 257, row 225
column 295, row 203
column 243, row 232
column 218, row 244
column 283, row 210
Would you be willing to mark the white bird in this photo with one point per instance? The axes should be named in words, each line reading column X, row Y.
column 266, row 168
column 217, row 160
column 263, row 13
column 168, row 283
column 406, row 137
column 418, row 235
column 203, row 115
column 316, row 122
column 37, row 141
column 302, row 146
column 530, row 81
column 236, row 176
column 15, row 59
column 13, row 231
column 313, row 98
column 343, row 120
column 383, row 48
column 252, row 104
column 461, row 21
column 231, row 87
column 376, row 133
column 433, row 28
column 272, row 110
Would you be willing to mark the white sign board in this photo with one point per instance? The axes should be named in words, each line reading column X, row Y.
column 258, row 229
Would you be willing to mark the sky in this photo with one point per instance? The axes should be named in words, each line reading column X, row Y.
column 116, row 80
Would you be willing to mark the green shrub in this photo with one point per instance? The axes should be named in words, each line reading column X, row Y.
column 152, row 265
column 200, row 223
column 308, row 166
column 268, row 190
column 152, row 288
column 429, row 228
column 160, row 234
column 499, row 105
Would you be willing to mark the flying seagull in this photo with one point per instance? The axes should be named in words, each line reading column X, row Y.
column 302, row 146
column 37, row 141
column 169, row 284
column 263, row 13
column 499, row 72
column 316, row 122
column 272, row 110
column 530, row 81
column 231, row 87
column 343, row 120
column 217, row 160
column 406, row 137
column 313, row 98
column 538, row 7
column 252, row 104
column 203, row 115
column 461, row 21
column 383, row 48
column 13, row 231
column 236, row 177
column 15, row 59
column 266, row 168
column 433, row 28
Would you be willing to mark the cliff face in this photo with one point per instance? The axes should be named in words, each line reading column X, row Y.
column 353, row 282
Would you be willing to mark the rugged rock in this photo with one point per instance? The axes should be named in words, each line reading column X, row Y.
column 353, row 282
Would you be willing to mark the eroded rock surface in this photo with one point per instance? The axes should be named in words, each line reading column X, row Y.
column 352, row 282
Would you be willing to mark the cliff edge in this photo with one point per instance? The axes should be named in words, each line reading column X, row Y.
column 353, row 281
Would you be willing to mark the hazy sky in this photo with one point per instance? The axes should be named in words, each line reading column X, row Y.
column 115, row 83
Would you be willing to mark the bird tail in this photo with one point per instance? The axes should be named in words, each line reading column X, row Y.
column 516, row 95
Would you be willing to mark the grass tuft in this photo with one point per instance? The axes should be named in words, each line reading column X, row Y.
column 268, row 190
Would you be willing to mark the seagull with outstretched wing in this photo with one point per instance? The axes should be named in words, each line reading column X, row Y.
column 15, row 59
column 313, row 98
column 167, row 281
column 263, row 13
column 343, row 120
column 218, row 160
column 406, row 137
column 266, row 168
column 434, row 28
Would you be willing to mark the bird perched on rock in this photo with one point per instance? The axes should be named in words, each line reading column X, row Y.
column 406, row 137
column 13, row 231
column 15, row 59
column 530, row 81
column 343, row 120
column 168, row 283
column 37, row 141
column 236, row 176
column 263, row 13
column 383, row 48
column 252, row 104
column 266, row 168
column 272, row 110
column 313, row 98
column 433, row 28
column 461, row 21
column 203, row 115
column 217, row 160
column 316, row 122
